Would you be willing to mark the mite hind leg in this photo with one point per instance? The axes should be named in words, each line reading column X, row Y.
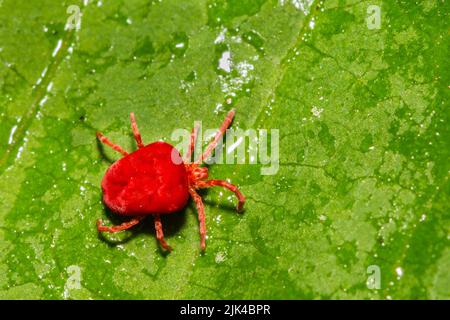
column 118, row 228
column 160, row 234
column 201, row 217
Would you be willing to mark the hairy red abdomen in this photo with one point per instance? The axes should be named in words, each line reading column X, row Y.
column 147, row 181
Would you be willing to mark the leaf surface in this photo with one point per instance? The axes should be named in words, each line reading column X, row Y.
column 364, row 147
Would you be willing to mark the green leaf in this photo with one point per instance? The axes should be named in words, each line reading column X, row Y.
column 363, row 182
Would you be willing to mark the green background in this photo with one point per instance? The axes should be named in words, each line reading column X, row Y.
column 364, row 147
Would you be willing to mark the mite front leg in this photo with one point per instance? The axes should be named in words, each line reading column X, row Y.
column 190, row 152
column 225, row 184
column 106, row 141
column 121, row 227
column 201, row 217
column 160, row 234
column 137, row 135
column 223, row 128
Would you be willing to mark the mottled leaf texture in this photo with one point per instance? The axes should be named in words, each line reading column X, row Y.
column 361, row 104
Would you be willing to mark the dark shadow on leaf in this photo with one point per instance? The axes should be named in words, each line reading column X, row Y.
column 133, row 143
column 223, row 206
column 101, row 150
column 172, row 224
column 230, row 207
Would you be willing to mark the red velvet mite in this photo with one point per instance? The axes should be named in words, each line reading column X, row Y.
column 155, row 180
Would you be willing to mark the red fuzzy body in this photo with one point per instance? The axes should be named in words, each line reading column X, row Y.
column 147, row 181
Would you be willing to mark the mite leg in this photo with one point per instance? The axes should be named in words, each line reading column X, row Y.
column 120, row 227
column 137, row 135
column 226, row 123
column 160, row 234
column 105, row 140
column 225, row 184
column 190, row 151
column 201, row 217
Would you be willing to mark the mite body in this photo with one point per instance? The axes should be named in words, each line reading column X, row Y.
column 155, row 180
